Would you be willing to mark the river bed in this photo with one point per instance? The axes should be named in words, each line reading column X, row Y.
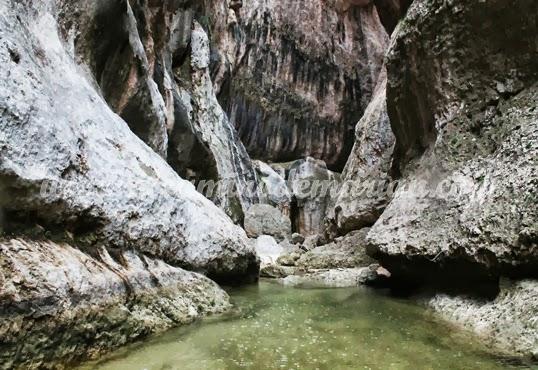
column 274, row 327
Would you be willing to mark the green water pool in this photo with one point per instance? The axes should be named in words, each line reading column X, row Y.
column 274, row 327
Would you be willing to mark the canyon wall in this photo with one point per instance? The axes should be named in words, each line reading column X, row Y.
column 141, row 57
column 295, row 76
column 109, row 107
column 445, row 166
column 96, row 225
column 466, row 142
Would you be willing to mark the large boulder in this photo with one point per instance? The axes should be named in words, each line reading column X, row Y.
column 295, row 76
column 53, row 297
column 462, row 99
column 345, row 252
column 333, row 278
column 313, row 186
column 263, row 219
column 67, row 161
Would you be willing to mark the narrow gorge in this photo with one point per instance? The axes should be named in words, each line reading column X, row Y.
column 227, row 184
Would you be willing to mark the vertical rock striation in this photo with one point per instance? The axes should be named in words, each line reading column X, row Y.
column 139, row 54
column 366, row 181
column 238, row 188
column 296, row 76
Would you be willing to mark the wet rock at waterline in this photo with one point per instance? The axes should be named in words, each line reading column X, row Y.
column 508, row 323
column 341, row 263
column 333, row 278
column 348, row 251
column 54, row 297
column 274, row 271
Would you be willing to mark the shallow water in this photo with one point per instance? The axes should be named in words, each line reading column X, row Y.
column 285, row 328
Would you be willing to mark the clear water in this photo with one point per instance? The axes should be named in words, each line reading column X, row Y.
column 284, row 328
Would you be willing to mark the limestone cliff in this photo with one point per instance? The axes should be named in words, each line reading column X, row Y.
column 295, row 76
column 366, row 181
column 466, row 142
column 140, row 56
column 106, row 223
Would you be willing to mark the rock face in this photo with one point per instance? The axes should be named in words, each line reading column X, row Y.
column 345, row 252
column 296, row 76
column 263, row 219
column 313, row 186
column 273, row 188
column 466, row 132
column 508, row 323
column 67, row 161
column 366, row 182
column 151, row 65
column 71, row 165
column 53, row 297
column 238, row 187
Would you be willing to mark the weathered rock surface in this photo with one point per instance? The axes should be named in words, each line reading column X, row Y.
column 238, row 187
column 296, row 76
column 509, row 323
column 273, row 188
column 312, row 186
column 263, row 219
column 273, row 271
column 54, row 298
column 366, row 181
column 466, row 132
column 152, row 68
column 69, row 162
column 343, row 263
column 345, row 252
column 267, row 249
column 333, row 278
